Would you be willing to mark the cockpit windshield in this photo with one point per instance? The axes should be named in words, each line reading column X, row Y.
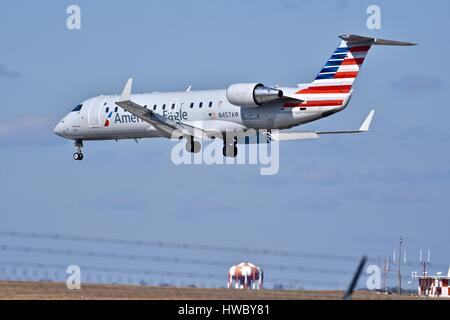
column 78, row 107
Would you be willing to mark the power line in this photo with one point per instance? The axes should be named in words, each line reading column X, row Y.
column 168, row 259
column 180, row 245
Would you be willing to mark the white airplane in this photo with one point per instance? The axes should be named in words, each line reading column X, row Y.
column 233, row 115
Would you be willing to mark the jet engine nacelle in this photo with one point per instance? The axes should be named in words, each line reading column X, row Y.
column 252, row 94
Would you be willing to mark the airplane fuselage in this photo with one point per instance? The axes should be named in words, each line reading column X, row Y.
column 99, row 118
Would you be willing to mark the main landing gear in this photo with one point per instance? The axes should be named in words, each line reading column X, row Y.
column 230, row 148
column 78, row 155
column 193, row 146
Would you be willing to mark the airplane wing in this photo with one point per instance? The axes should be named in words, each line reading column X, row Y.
column 165, row 126
column 300, row 135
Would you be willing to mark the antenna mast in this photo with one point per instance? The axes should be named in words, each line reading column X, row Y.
column 398, row 262
column 424, row 262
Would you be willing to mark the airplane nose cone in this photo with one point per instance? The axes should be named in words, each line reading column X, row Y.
column 59, row 130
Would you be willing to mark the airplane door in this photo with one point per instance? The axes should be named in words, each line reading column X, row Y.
column 94, row 112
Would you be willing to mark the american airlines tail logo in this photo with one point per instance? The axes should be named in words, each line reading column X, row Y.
column 107, row 119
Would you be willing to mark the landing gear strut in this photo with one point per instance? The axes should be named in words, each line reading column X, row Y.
column 78, row 155
column 230, row 148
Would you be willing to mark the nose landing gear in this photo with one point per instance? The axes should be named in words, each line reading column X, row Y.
column 78, row 155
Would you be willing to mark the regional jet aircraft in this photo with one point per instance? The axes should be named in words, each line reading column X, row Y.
column 232, row 115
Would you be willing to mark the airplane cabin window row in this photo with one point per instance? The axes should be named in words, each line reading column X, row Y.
column 155, row 106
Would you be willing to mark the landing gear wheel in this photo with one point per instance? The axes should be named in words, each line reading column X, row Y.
column 78, row 146
column 193, row 146
column 230, row 147
column 229, row 151
column 78, row 156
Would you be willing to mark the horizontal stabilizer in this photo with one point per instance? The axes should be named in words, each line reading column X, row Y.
column 351, row 38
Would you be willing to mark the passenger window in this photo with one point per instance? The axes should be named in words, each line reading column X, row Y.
column 145, row 106
column 192, row 105
column 116, row 109
column 173, row 105
column 164, row 107
column 107, row 109
column 210, row 104
column 154, row 107
column 200, row 105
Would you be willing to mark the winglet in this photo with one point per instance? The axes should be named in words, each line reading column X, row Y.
column 126, row 93
column 366, row 124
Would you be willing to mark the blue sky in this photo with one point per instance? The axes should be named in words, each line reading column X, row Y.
column 344, row 195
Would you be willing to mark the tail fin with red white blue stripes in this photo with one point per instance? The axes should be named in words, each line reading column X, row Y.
column 341, row 69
